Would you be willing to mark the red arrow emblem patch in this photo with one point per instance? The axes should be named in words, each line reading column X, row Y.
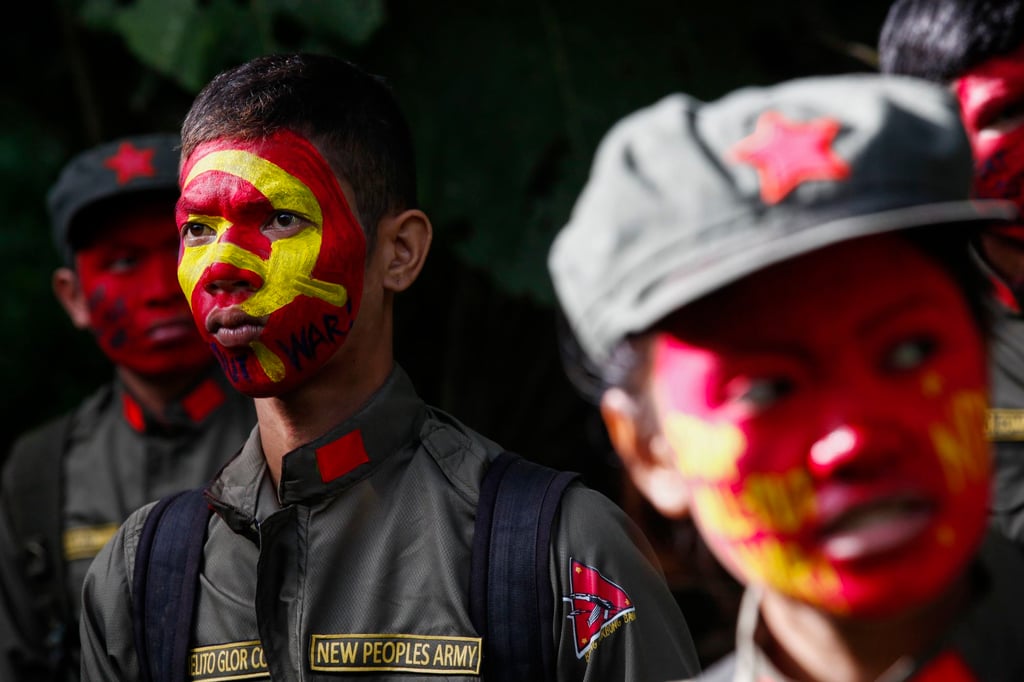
column 596, row 603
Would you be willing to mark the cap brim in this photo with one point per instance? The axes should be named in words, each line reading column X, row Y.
column 665, row 291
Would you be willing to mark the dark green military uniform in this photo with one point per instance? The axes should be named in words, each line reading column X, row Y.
column 118, row 457
column 1006, row 414
column 363, row 566
column 68, row 484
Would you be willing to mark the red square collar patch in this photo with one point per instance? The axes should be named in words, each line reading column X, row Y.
column 946, row 667
column 341, row 456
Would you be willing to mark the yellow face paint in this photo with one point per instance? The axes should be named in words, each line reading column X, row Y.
column 960, row 438
column 852, row 470
column 301, row 284
column 704, row 450
column 288, row 270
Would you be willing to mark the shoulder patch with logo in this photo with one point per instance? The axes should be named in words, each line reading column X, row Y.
column 599, row 607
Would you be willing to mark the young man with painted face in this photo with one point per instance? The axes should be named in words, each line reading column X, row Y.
column 166, row 422
column 341, row 535
column 976, row 47
column 775, row 289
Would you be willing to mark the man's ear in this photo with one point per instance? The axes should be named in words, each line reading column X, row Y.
column 404, row 241
column 68, row 291
column 647, row 457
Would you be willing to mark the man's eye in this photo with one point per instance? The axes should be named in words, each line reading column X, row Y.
column 759, row 393
column 1006, row 119
column 909, row 354
column 193, row 234
column 122, row 263
column 286, row 222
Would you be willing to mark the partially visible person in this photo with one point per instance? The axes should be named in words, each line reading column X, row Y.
column 775, row 293
column 976, row 48
column 166, row 421
column 341, row 537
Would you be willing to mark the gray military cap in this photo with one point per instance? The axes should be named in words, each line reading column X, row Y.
column 119, row 167
column 685, row 197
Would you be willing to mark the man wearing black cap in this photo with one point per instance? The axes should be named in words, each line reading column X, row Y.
column 976, row 47
column 162, row 424
column 775, row 293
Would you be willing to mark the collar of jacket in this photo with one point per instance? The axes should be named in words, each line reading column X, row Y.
column 187, row 412
column 389, row 422
column 1004, row 295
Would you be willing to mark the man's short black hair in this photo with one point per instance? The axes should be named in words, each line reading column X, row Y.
column 351, row 115
column 940, row 39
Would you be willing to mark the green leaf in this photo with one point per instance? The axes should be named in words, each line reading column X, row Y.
column 351, row 22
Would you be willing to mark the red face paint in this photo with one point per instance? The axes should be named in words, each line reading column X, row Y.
column 272, row 258
column 137, row 313
column 828, row 415
column 991, row 99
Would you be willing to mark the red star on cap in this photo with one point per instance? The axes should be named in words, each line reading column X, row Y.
column 130, row 162
column 787, row 153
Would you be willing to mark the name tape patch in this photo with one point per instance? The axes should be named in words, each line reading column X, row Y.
column 395, row 653
column 232, row 661
column 1005, row 424
column 85, row 542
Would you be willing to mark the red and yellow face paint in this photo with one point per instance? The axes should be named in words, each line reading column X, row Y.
column 990, row 96
column 136, row 310
column 272, row 258
column 828, row 417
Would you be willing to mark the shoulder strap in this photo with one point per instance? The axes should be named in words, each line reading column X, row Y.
column 33, row 492
column 167, row 564
column 511, row 603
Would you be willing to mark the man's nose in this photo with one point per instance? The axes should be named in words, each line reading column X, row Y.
column 225, row 278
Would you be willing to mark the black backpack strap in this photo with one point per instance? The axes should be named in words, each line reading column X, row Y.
column 33, row 493
column 511, row 603
column 167, row 564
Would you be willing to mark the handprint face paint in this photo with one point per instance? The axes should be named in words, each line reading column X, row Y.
column 833, row 439
column 136, row 310
column 272, row 258
column 991, row 95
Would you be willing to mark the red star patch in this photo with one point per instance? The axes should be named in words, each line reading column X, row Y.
column 130, row 162
column 787, row 153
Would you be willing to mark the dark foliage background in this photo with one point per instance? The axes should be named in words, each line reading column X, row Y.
column 507, row 100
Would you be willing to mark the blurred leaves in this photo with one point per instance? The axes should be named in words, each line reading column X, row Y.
column 508, row 101
column 189, row 41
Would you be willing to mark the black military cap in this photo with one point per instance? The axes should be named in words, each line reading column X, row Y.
column 686, row 196
column 126, row 166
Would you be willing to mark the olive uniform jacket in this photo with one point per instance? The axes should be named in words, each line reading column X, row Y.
column 1006, row 419
column 116, row 458
column 358, row 563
